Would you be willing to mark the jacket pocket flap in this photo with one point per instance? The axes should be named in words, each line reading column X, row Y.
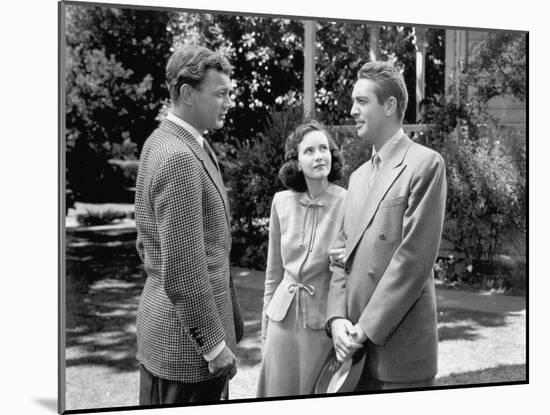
column 392, row 202
column 280, row 302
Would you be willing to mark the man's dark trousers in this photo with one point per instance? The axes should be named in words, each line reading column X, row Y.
column 157, row 391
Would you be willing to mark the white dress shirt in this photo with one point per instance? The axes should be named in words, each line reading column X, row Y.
column 388, row 146
column 194, row 132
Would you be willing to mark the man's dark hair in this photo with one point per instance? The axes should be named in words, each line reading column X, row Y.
column 389, row 83
column 189, row 64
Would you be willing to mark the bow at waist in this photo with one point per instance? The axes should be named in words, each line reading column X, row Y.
column 299, row 290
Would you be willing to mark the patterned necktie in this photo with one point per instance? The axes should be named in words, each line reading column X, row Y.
column 374, row 168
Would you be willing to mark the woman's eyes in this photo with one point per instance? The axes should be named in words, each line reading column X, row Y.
column 310, row 150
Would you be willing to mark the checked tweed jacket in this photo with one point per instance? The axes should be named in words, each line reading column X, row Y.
column 188, row 304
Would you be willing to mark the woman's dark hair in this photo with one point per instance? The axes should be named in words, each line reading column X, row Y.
column 289, row 174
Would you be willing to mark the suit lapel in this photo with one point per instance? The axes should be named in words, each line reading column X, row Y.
column 365, row 208
column 204, row 158
column 216, row 178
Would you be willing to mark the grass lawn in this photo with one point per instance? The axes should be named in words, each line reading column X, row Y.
column 104, row 282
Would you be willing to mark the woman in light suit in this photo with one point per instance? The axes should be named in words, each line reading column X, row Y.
column 304, row 222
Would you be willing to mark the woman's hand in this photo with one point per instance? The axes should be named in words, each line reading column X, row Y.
column 337, row 255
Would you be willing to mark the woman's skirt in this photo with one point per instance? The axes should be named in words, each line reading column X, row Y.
column 292, row 357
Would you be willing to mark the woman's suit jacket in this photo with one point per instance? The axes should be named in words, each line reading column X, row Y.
column 391, row 235
column 188, row 304
column 301, row 230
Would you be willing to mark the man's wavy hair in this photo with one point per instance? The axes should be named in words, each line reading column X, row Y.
column 389, row 83
column 189, row 64
column 290, row 176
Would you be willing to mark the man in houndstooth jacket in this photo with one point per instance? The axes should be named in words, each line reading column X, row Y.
column 188, row 319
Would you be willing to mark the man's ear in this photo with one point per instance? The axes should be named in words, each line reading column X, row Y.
column 390, row 106
column 186, row 94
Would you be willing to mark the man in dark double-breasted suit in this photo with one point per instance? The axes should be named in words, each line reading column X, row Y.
column 382, row 298
column 188, row 319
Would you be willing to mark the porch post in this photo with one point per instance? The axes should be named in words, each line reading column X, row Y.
column 421, row 45
column 374, row 40
column 309, row 68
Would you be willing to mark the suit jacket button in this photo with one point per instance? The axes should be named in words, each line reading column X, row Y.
column 381, row 236
column 370, row 274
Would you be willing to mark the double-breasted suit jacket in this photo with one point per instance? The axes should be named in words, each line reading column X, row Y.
column 391, row 235
column 188, row 304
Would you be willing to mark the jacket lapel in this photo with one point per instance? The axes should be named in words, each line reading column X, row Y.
column 204, row 158
column 216, row 178
column 365, row 208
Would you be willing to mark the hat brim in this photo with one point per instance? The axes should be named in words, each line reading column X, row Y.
column 336, row 377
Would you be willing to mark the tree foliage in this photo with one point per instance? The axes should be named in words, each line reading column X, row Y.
column 253, row 180
column 115, row 77
column 114, row 88
column 500, row 67
column 486, row 161
column 267, row 55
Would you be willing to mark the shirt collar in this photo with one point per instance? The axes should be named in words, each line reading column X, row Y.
column 388, row 146
column 177, row 120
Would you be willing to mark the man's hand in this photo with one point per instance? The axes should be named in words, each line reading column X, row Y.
column 223, row 364
column 358, row 335
column 337, row 255
column 344, row 345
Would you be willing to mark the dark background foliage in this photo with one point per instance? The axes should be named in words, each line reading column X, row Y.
column 115, row 95
column 115, row 87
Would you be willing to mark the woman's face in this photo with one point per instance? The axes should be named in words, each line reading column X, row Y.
column 314, row 158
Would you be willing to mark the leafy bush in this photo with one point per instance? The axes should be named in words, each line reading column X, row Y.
column 486, row 179
column 486, row 163
column 252, row 181
column 499, row 276
column 126, row 171
column 503, row 276
column 354, row 150
column 100, row 216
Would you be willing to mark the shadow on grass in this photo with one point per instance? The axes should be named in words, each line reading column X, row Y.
column 460, row 324
column 499, row 374
column 249, row 349
column 104, row 282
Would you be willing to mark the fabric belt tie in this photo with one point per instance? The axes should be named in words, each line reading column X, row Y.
column 300, row 290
